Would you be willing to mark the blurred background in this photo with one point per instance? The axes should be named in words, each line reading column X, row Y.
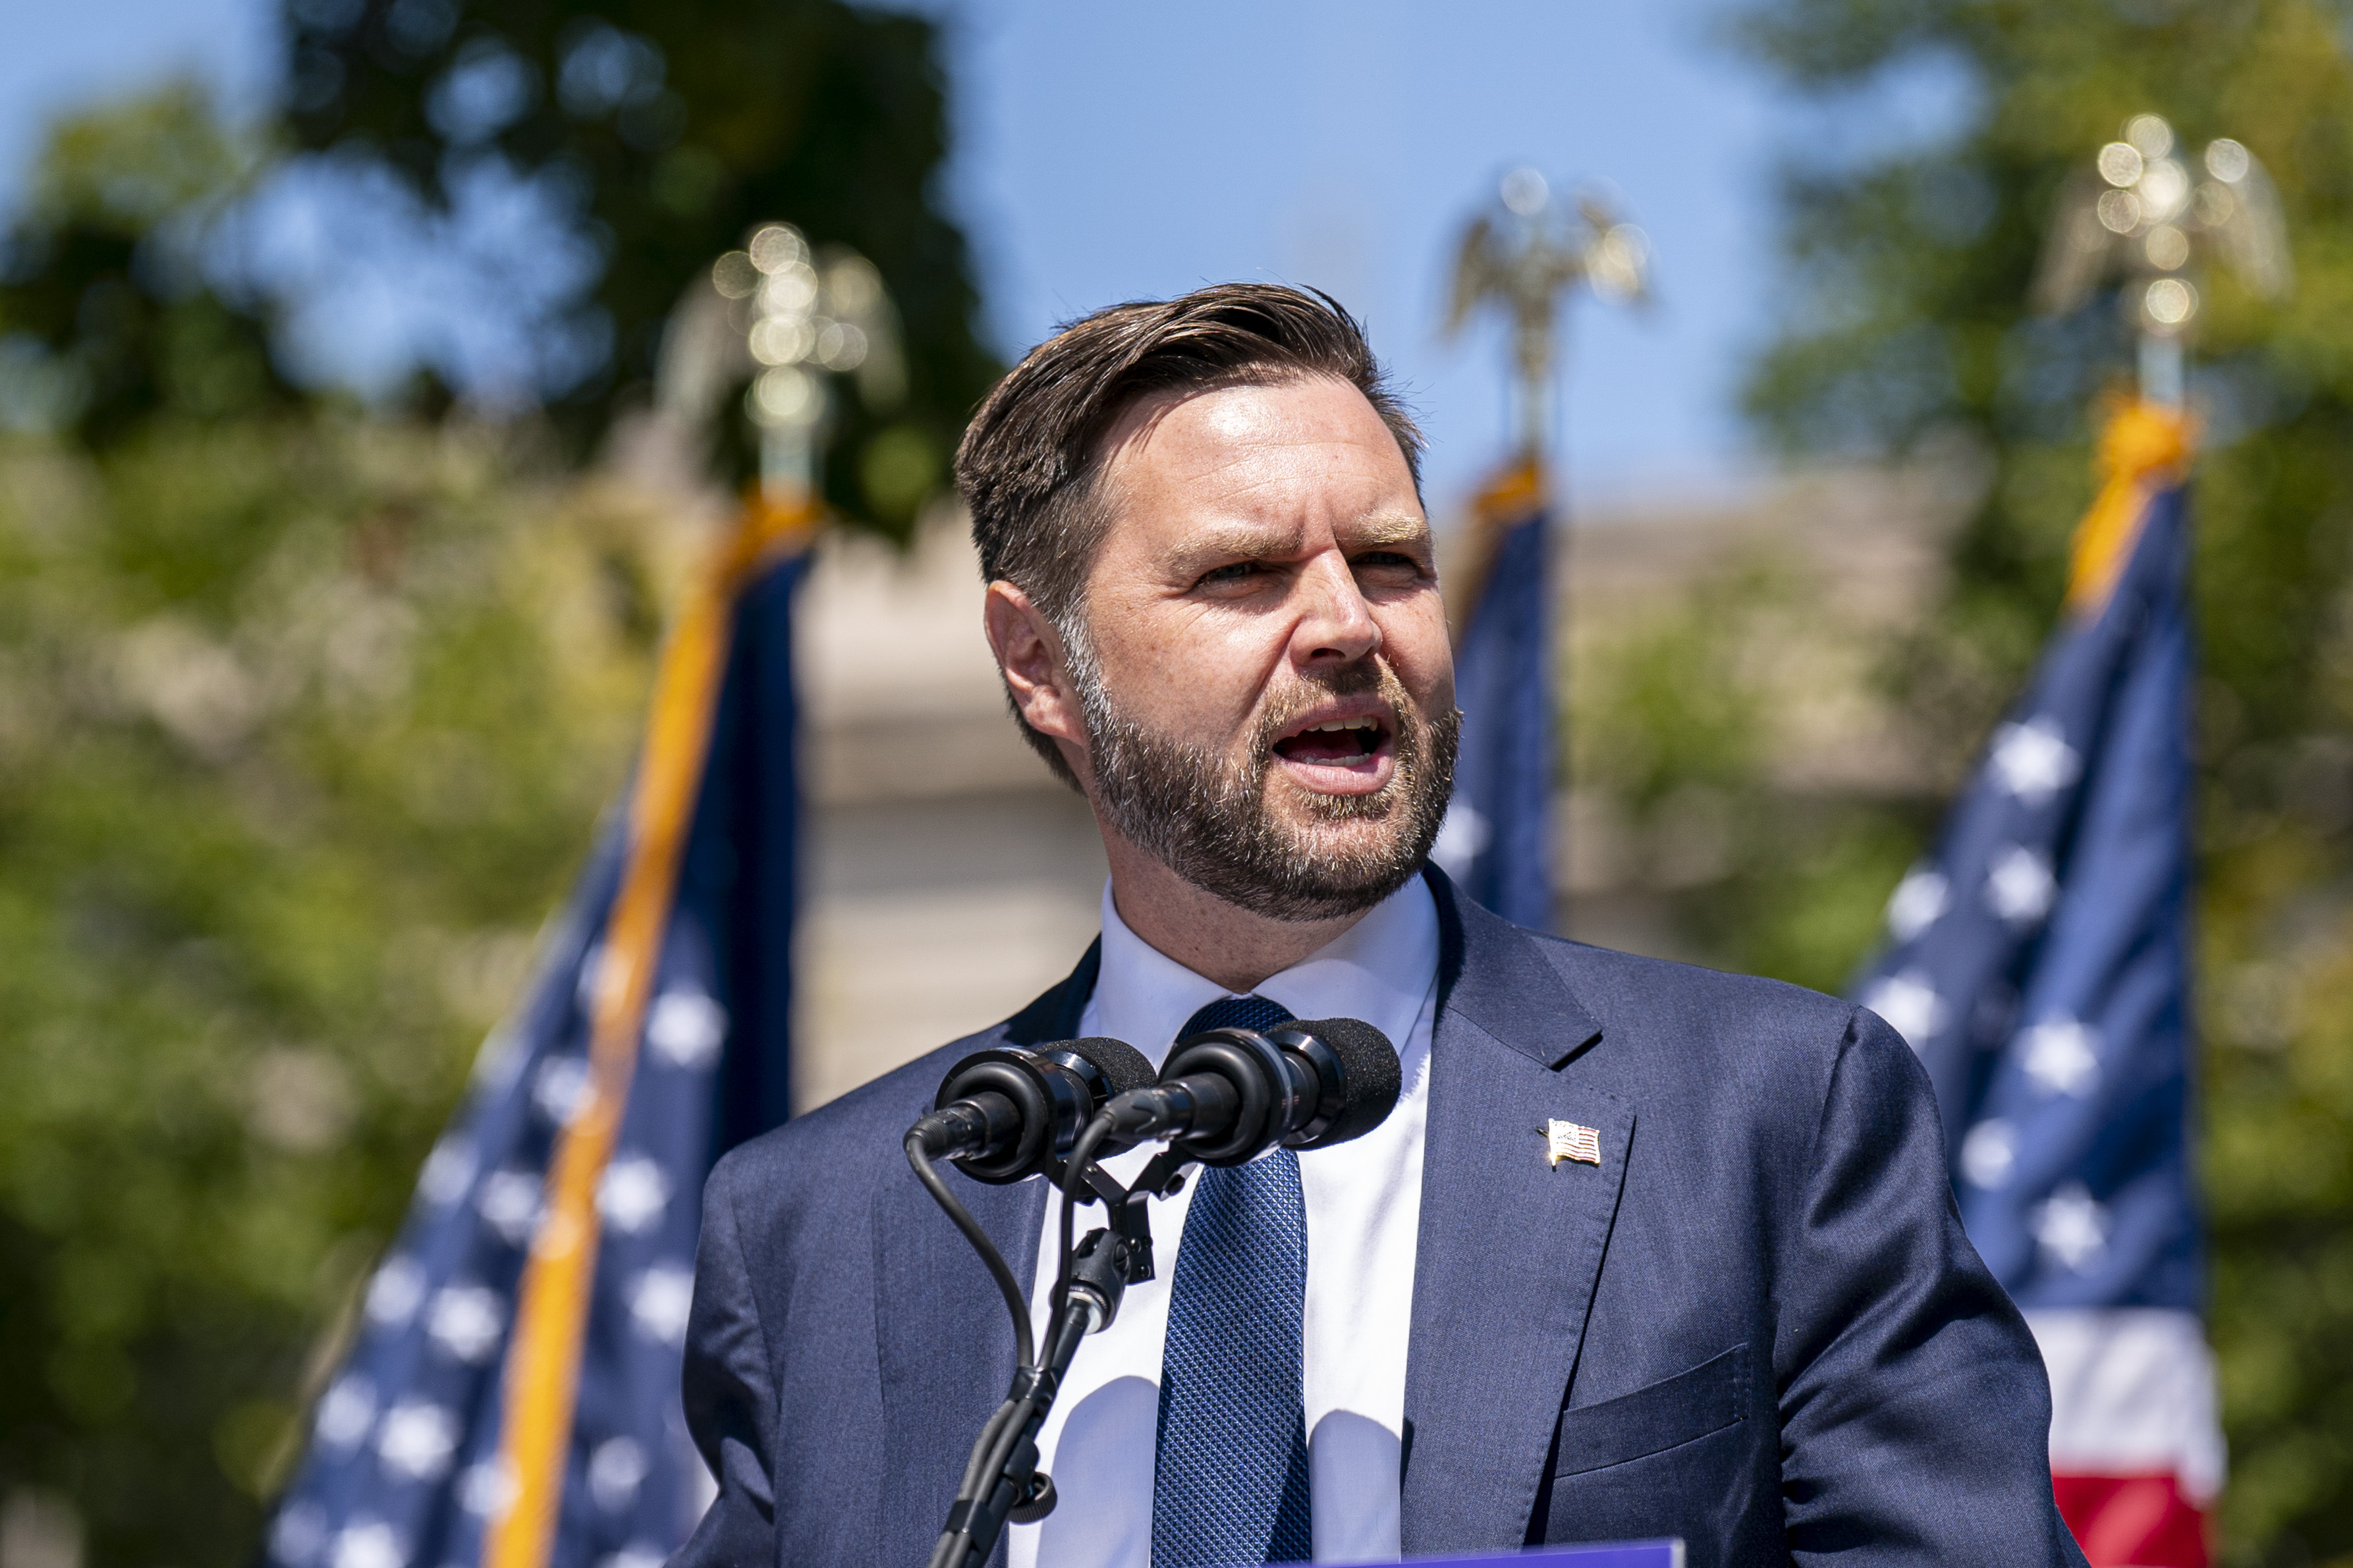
column 336, row 542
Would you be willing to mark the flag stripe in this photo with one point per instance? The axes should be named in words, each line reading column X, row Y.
column 2133, row 1521
column 543, row 1364
column 2132, row 1393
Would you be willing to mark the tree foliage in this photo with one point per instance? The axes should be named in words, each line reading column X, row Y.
column 109, row 315
column 306, row 713
column 679, row 125
column 1906, row 331
column 303, row 726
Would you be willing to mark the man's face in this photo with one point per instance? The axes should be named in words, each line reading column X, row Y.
column 1271, row 710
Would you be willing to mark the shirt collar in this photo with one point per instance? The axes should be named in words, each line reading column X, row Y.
column 1379, row 970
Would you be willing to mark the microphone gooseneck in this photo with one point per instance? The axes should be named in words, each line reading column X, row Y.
column 1226, row 1096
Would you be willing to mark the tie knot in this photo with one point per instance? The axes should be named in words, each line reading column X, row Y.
column 1235, row 1013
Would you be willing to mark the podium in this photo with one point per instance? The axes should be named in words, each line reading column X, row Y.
column 1667, row 1553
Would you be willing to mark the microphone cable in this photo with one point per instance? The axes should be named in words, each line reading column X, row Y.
column 1016, row 1303
column 1037, row 1088
column 1034, row 1386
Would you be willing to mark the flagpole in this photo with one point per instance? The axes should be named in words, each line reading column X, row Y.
column 552, row 1303
column 1525, row 256
column 2040, row 959
column 787, row 319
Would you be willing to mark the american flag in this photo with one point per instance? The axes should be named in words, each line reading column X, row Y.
column 510, row 1394
column 1569, row 1141
column 1497, row 838
column 2040, row 962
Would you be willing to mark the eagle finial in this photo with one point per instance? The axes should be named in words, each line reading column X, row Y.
column 1521, row 254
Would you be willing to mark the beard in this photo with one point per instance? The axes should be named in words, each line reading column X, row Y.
column 1206, row 815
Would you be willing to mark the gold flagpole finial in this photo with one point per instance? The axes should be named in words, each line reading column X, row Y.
column 1523, row 254
column 2147, row 208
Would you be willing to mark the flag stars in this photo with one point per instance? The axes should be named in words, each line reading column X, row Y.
column 1461, row 839
column 346, row 1411
column 449, row 1171
column 1919, row 901
column 1989, row 1154
column 659, row 1301
column 1909, row 1004
column 418, row 1440
column 2034, row 761
column 2018, row 886
column 394, row 1294
column 299, row 1535
column 2062, row 1057
column 368, row 1543
column 637, row 1554
column 2071, row 1226
column 615, row 1470
column 487, row 1490
column 561, row 1088
column 510, row 1203
column 686, row 1027
column 633, row 1195
column 467, row 1320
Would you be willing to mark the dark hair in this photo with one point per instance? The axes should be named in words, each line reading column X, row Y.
column 1028, row 464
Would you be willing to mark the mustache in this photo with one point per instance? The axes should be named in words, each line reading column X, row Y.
column 1296, row 699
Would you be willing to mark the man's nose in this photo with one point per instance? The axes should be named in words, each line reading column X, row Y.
column 1336, row 625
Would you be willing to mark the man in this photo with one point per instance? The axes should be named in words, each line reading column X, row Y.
column 1740, row 1310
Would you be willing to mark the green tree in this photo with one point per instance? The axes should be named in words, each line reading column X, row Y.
column 109, row 315
column 304, row 724
column 679, row 125
column 306, row 715
column 1906, row 327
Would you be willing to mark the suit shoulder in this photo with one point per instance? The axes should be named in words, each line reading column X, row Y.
column 1627, row 991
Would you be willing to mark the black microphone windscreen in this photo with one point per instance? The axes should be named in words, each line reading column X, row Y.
column 1122, row 1066
column 1369, row 1064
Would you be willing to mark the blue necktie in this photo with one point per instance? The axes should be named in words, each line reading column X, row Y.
column 1231, row 1483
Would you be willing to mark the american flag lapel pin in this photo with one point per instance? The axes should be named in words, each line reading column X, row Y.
column 1569, row 1141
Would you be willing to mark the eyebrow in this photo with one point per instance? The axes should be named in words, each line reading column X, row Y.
column 1244, row 540
column 1392, row 528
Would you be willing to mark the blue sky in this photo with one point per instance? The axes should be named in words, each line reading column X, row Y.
column 1109, row 151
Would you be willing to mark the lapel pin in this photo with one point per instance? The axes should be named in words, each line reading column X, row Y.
column 1567, row 1140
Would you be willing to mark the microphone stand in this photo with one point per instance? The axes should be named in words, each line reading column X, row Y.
column 1001, row 1480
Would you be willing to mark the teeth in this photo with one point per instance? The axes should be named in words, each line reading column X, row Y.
column 1339, row 724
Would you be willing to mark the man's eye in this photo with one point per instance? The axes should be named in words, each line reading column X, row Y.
column 1388, row 561
column 1234, row 572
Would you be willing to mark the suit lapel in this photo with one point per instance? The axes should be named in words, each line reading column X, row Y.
column 944, row 1348
column 1510, row 1246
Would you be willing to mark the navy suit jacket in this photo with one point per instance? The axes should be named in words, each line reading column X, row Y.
column 1756, row 1325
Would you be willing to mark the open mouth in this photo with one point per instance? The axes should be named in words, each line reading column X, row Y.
column 1358, row 745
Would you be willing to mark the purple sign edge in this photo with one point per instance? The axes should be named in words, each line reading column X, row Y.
column 1661, row 1553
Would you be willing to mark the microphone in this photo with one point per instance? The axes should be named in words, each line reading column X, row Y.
column 1008, row 1113
column 1227, row 1095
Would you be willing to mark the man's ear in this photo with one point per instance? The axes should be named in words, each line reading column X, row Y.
column 1030, row 657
